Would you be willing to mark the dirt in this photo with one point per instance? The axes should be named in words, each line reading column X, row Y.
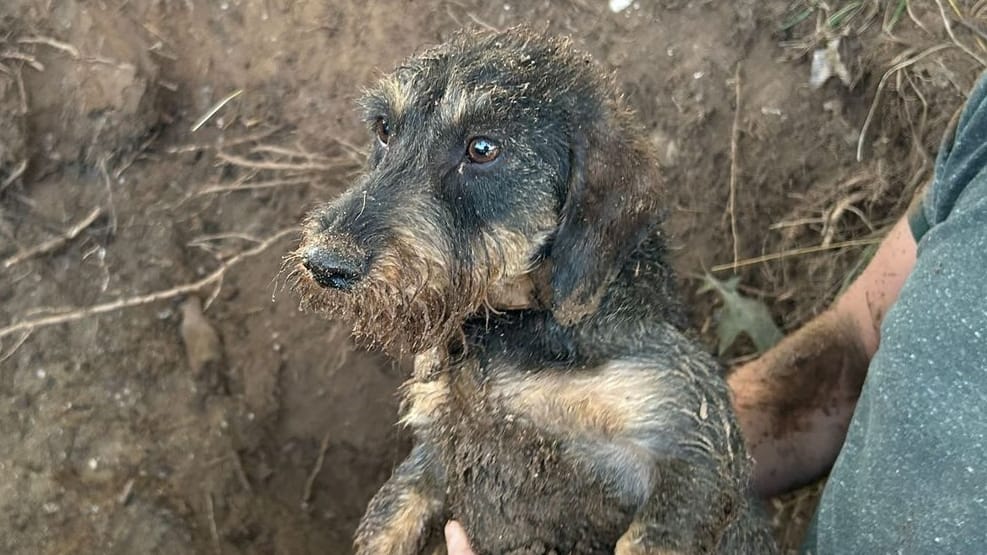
column 218, row 418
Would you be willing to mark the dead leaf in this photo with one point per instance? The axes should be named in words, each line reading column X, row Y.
column 741, row 314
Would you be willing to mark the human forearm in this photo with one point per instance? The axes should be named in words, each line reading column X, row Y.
column 795, row 402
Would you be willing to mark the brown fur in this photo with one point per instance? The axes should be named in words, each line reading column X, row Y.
column 609, row 401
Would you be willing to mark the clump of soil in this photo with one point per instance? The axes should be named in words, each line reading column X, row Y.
column 187, row 412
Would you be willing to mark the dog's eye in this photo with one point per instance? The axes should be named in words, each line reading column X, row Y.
column 482, row 150
column 383, row 130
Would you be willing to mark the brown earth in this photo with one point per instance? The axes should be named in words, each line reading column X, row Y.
column 249, row 427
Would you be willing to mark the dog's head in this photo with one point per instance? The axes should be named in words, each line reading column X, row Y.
column 493, row 155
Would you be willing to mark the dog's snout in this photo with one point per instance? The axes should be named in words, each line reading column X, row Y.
column 332, row 270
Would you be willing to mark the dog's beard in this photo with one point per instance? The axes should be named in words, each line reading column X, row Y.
column 404, row 304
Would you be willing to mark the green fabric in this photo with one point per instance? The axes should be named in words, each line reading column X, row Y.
column 912, row 474
column 917, row 222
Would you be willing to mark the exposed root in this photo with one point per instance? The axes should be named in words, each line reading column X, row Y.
column 269, row 165
column 734, row 138
column 216, row 276
column 13, row 348
column 282, row 151
column 55, row 243
column 54, row 43
column 316, row 469
column 22, row 57
column 252, row 186
column 108, row 184
column 213, row 529
column 225, row 143
column 19, row 170
column 841, row 207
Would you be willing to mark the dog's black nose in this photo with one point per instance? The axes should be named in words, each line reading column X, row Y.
column 332, row 270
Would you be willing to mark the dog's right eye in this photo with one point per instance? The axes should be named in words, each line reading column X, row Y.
column 482, row 150
column 383, row 130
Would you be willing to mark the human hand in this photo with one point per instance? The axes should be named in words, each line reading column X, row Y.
column 456, row 541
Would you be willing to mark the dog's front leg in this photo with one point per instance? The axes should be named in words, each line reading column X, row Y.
column 407, row 513
column 686, row 513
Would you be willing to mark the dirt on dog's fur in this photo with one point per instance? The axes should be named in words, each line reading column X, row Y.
column 582, row 423
column 109, row 443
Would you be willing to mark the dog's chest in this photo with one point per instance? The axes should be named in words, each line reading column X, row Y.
column 534, row 457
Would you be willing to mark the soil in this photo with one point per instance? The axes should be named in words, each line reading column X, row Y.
column 210, row 419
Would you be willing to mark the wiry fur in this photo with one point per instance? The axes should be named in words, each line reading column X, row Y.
column 557, row 405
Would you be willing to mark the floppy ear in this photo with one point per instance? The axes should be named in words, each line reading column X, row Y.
column 611, row 205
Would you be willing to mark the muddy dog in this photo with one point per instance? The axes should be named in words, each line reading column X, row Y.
column 506, row 233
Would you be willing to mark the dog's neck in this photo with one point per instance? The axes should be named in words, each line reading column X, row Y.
column 639, row 304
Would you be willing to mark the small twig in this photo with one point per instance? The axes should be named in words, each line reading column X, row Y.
column 213, row 529
column 319, row 461
column 108, row 183
column 918, row 22
column 22, row 57
column 793, row 252
column 21, row 90
column 215, row 108
column 271, row 184
column 204, row 240
column 54, row 43
column 17, row 345
column 130, row 302
column 247, row 176
column 795, row 223
column 829, row 227
column 734, row 139
column 272, row 149
column 248, row 138
column 214, row 295
column 264, row 165
column 55, row 243
column 126, row 492
column 19, row 170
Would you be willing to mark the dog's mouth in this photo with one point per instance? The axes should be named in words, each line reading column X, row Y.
column 409, row 295
column 396, row 301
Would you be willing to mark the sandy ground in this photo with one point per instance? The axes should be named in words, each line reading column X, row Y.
column 195, row 409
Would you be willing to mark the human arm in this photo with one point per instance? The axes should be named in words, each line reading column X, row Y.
column 794, row 403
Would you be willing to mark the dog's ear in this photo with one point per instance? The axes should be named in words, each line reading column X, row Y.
column 609, row 208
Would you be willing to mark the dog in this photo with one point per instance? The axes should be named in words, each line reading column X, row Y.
column 506, row 232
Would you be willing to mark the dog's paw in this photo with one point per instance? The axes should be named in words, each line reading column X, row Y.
column 634, row 542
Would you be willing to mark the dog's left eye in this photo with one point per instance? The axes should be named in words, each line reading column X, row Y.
column 383, row 130
column 482, row 150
